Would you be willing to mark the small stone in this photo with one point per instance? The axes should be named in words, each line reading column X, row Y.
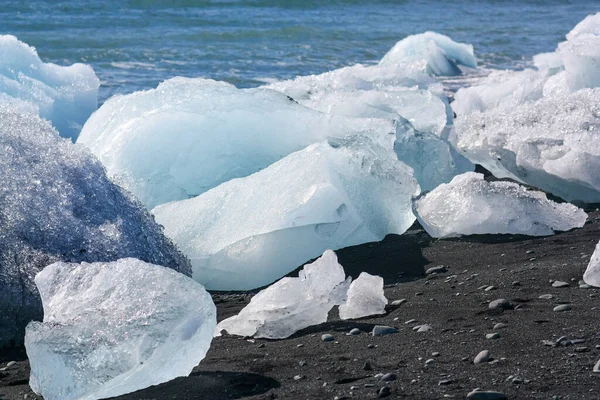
column 486, row 395
column 492, row 336
column 302, row 363
column 435, row 354
column 10, row 364
column 384, row 392
column 399, row 302
column 516, row 283
column 300, row 345
column 327, row 338
column 369, row 385
column 482, row 357
column 445, row 382
column 562, row 307
column 563, row 341
column 546, row 297
column 502, row 304
column 380, row 330
column 581, row 349
column 489, row 288
column 367, row 366
column 371, row 346
column 410, row 321
column 560, row 284
column 388, row 377
column 424, row 328
column 436, row 270
column 354, row 331
column 298, row 377
column 499, row 325
column 430, row 361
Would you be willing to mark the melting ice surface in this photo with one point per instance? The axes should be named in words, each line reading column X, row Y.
column 248, row 232
column 64, row 95
column 541, row 127
column 470, row 205
column 114, row 328
column 57, row 204
column 592, row 273
column 365, row 297
column 292, row 304
column 190, row 135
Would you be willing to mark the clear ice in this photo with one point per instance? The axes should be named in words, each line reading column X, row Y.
column 470, row 205
column 592, row 272
column 114, row 328
column 365, row 297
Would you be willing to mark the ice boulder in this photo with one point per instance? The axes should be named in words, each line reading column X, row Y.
column 469, row 205
column 365, row 297
column 190, row 135
column 441, row 55
column 292, row 304
column 248, row 232
column 114, row 328
column 592, row 273
column 64, row 95
column 589, row 25
column 58, row 205
column 552, row 143
column 581, row 58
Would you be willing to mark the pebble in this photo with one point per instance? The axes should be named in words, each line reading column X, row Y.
column 369, row 385
column 562, row 307
column 354, row 331
column 410, row 321
column 327, row 338
column 298, row 377
column 546, row 297
column 516, row 283
column 367, row 366
column 489, row 288
column 560, row 284
column 424, row 328
column 384, row 392
column 435, row 354
column 486, row 395
column 10, row 364
column 399, row 302
column 388, row 377
column 430, row 361
column 380, row 330
column 499, row 304
column 445, row 382
column 436, row 270
column 482, row 357
column 491, row 336
column 499, row 325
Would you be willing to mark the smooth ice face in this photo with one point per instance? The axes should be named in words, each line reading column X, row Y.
column 581, row 57
column 190, row 135
column 114, row 328
column 248, row 232
column 469, row 205
column 442, row 55
column 292, row 304
column 553, row 143
column 58, row 205
column 365, row 297
column 64, row 95
column 592, row 273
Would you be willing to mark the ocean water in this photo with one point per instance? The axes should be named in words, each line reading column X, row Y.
column 135, row 44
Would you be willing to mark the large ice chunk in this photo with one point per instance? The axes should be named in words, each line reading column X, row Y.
column 589, row 25
column 552, row 143
column 470, row 205
column 248, row 232
column 292, row 304
column 581, row 58
column 592, row 272
column 57, row 204
column 114, row 328
column 64, row 95
column 365, row 297
column 442, row 56
column 190, row 135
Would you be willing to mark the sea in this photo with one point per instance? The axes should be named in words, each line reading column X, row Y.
column 135, row 44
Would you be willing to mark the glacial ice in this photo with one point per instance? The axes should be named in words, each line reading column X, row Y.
column 469, row 205
column 292, row 304
column 442, row 55
column 248, row 232
column 58, row 205
column 592, row 272
column 190, row 135
column 64, row 95
column 365, row 297
column 114, row 328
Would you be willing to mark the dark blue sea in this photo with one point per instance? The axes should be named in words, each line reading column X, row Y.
column 135, row 44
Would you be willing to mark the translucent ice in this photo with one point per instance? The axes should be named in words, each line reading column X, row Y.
column 190, row 135
column 292, row 304
column 248, row 232
column 581, row 58
column 442, row 56
column 469, row 205
column 64, row 95
column 365, row 297
column 58, row 205
column 552, row 143
column 592, row 273
column 114, row 328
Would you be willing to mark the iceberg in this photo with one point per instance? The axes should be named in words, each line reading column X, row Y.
column 190, row 135
column 66, row 96
column 441, row 55
column 592, row 272
column 365, row 297
column 57, row 204
column 114, row 328
column 292, row 304
column 469, row 205
column 248, row 232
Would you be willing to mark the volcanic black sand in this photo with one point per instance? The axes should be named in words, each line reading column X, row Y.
column 454, row 303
